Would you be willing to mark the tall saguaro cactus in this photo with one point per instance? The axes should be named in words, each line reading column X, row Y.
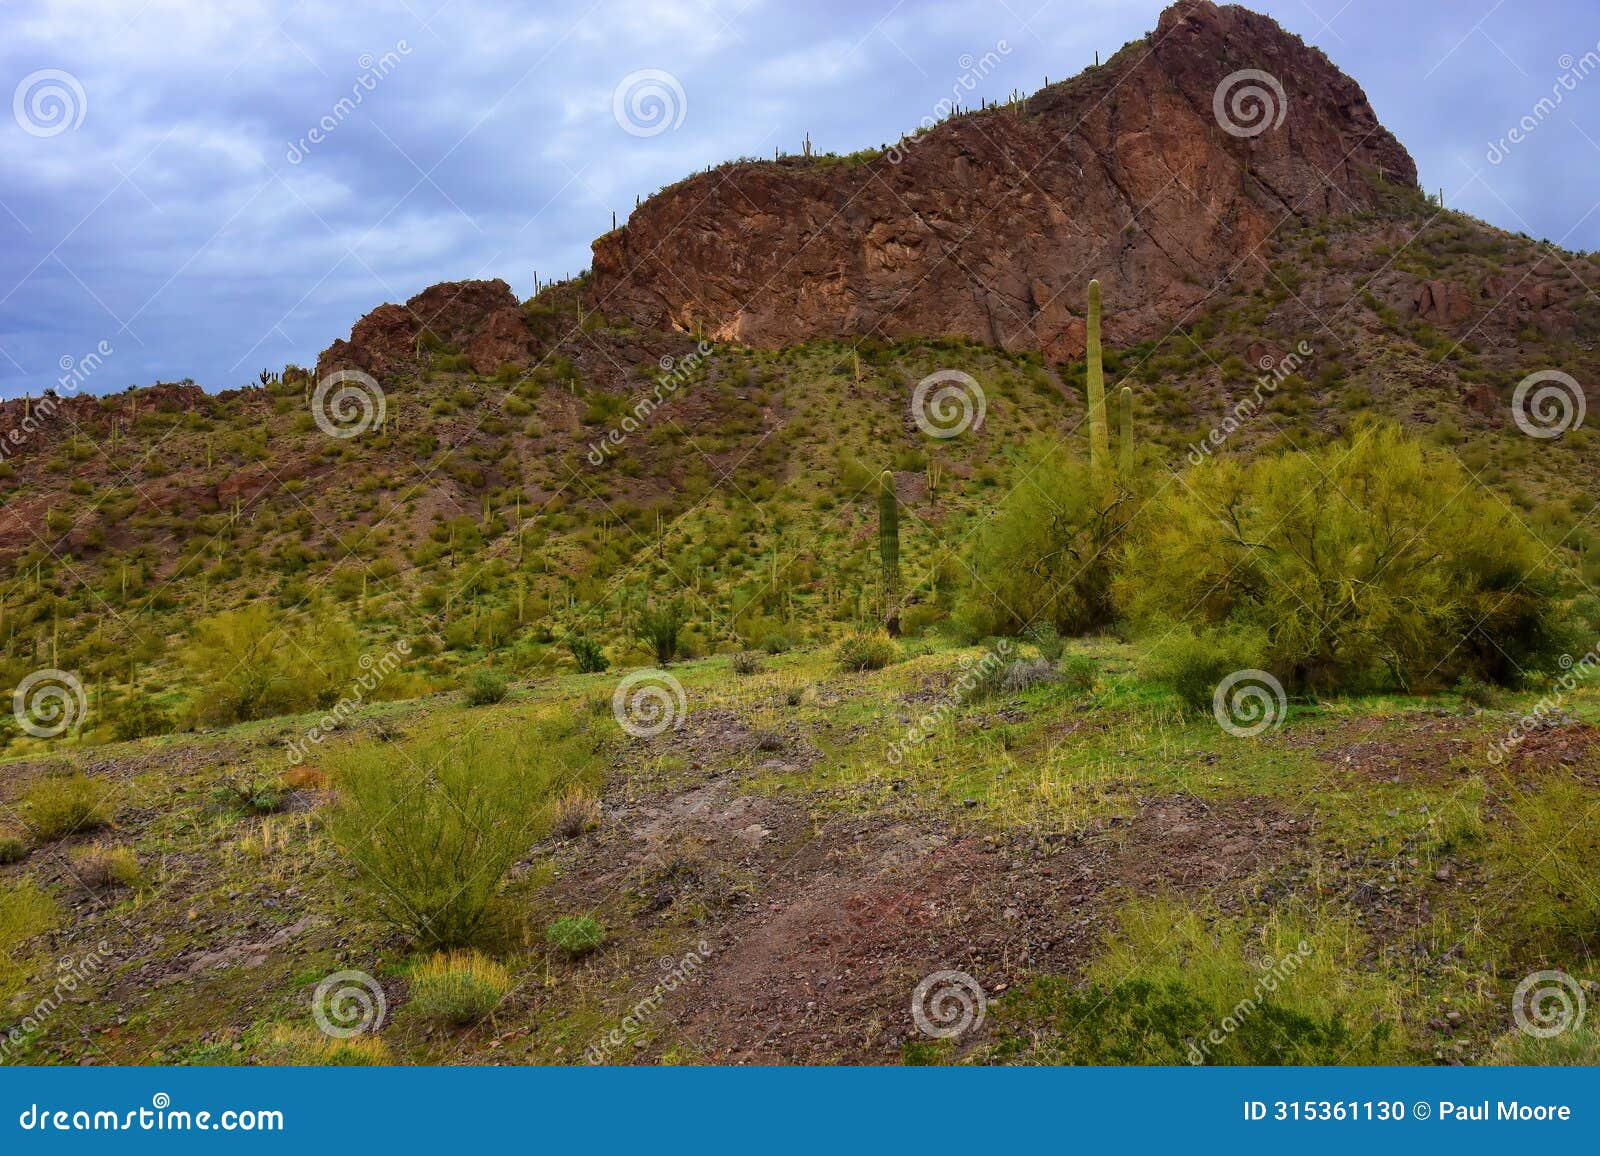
column 1125, row 433
column 1099, row 439
column 889, row 549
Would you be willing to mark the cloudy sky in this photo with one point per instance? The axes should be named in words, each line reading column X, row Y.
column 162, row 189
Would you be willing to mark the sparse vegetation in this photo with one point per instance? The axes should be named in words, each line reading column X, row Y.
column 457, row 988
column 67, row 805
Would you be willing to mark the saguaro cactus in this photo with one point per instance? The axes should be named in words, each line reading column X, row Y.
column 1125, row 433
column 1099, row 439
column 889, row 549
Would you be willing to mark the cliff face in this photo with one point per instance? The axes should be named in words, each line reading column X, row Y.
column 990, row 225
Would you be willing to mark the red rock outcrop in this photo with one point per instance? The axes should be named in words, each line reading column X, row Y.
column 480, row 319
column 991, row 224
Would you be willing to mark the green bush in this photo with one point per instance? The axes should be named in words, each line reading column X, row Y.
column 487, row 687
column 139, row 719
column 1194, row 662
column 1370, row 562
column 458, row 988
column 746, row 662
column 432, row 828
column 256, row 662
column 866, row 651
column 1079, row 671
column 575, row 935
column 1045, row 559
column 12, row 849
column 659, row 629
column 1183, row 986
column 67, row 806
column 1545, row 854
column 587, row 654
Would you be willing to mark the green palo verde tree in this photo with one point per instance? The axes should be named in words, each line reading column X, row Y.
column 889, row 550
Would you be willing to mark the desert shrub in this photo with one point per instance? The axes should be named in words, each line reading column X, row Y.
column 12, row 849
column 1180, row 986
column 575, row 935
column 302, row 1047
column 1078, row 671
column 487, row 687
column 1374, row 561
column 66, row 806
column 1193, row 662
column 1546, row 853
column 866, row 650
column 99, row 867
column 1578, row 1046
column 256, row 662
column 746, row 662
column 587, row 654
column 577, row 811
column 26, row 910
column 248, row 795
column 659, row 627
column 1049, row 642
column 458, row 988
column 1046, row 557
column 1475, row 692
column 434, row 827
column 139, row 719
